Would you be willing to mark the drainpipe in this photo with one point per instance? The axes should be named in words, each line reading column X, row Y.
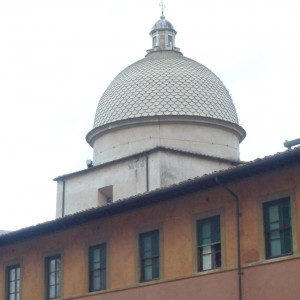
column 237, row 209
column 63, row 199
column 147, row 173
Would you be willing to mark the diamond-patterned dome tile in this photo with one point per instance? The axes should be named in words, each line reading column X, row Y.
column 164, row 84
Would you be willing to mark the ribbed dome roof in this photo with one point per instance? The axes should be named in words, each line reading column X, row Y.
column 162, row 23
column 165, row 83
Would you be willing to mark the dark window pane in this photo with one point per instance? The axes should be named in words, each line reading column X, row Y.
column 51, row 292
column 170, row 40
column 209, row 243
column 53, row 268
column 286, row 219
column 149, row 254
column 13, row 274
column 278, row 230
column 287, row 241
column 12, row 287
column 97, row 268
column 205, row 234
column 275, row 247
column 218, row 260
column 154, row 41
column 155, row 268
column 13, row 282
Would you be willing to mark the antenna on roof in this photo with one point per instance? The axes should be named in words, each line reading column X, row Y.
column 89, row 163
column 290, row 144
column 162, row 6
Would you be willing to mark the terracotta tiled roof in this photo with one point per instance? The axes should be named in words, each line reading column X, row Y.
column 280, row 160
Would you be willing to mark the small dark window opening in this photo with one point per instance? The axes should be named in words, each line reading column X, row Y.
column 53, row 276
column 13, row 282
column 170, row 41
column 278, row 228
column 209, row 244
column 154, row 41
column 149, row 255
column 105, row 195
column 97, row 267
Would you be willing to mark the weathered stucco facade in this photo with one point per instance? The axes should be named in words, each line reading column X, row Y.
column 133, row 175
column 174, row 212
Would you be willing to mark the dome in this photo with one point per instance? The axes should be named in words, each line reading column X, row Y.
column 165, row 83
column 164, row 119
column 161, row 24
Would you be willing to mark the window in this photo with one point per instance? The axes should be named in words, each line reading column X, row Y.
column 209, row 243
column 155, row 41
column 97, row 268
column 149, row 255
column 170, row 41
column 13, row 282
column 105, row 195
column 53, row 276
column 277, row 227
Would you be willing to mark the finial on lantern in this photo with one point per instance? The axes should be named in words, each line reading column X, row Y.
column 162, row 6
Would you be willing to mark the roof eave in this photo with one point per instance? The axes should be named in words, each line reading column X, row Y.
column 280, row 160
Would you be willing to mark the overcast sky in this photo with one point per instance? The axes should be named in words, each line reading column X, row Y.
column 57, row 57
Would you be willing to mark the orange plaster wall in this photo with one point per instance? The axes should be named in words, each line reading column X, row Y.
column 176, row 220
column 252, row 193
